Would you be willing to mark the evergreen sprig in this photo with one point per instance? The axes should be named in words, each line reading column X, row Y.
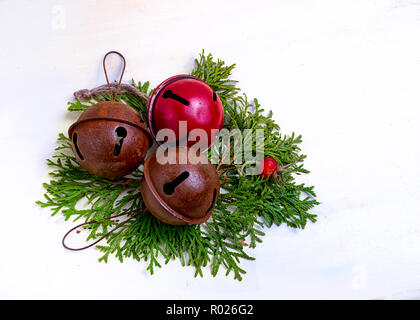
column 247, row 205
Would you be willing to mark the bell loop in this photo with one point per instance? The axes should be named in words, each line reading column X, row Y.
column 63, row 241
column 114, row 96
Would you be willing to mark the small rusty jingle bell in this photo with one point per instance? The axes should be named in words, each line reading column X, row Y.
column 180, row 194
column 110, row 139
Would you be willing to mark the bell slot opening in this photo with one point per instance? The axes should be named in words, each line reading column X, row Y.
column 182, row 140
column 121, row 134
column 214, row 96
column 213, row 201
column 168, row 94
column 79, row 154
column 169, row 188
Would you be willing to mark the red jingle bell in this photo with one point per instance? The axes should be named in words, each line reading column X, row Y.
column 185, row 98
column 110, row 139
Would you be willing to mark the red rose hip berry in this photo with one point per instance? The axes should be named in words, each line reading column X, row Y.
column 268, row 167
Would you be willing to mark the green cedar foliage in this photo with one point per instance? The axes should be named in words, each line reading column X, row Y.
column 246, row 205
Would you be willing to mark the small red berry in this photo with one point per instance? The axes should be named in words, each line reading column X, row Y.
column 268, row 167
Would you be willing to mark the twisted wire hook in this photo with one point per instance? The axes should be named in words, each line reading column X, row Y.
column 106, row 75
column 102, row 237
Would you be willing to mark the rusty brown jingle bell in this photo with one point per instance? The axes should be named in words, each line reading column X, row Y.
column 182, row 192
column 110, row 139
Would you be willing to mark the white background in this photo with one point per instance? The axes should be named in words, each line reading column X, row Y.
column 344, row 74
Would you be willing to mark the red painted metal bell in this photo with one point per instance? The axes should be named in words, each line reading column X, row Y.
column 182, row 192
column 110, row 139
column 185, row 98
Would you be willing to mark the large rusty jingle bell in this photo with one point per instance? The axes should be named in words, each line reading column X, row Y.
column 180, row 194
column 110, row 139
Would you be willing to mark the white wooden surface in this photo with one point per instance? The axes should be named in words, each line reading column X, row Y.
column 345, row 74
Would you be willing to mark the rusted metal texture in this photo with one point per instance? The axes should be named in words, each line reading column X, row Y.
column 109, row 139
column 179, row 194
